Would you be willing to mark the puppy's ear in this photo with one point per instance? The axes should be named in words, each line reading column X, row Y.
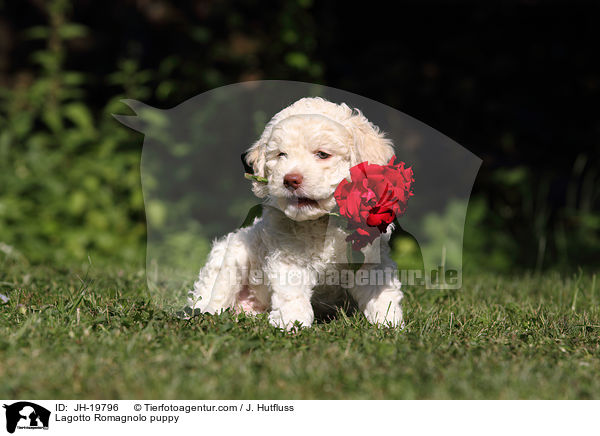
column 370, row 144
column 255, row 158
column 247, row 168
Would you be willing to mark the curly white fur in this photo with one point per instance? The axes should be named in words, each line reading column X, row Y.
column 276, row 264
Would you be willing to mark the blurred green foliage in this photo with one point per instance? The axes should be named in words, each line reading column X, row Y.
column 70, row 178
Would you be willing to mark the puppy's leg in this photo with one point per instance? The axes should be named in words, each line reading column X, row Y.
column 222, row 277
column 378, row 295
column 292, row 288
column 252, row 300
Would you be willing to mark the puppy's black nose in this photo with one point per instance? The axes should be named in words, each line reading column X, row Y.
column 292, row 181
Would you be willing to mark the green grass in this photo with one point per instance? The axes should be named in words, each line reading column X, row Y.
column 63, row 335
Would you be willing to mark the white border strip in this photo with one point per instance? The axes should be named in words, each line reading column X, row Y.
column 310, row 417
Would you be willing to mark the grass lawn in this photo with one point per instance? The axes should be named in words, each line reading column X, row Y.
column 499, row 337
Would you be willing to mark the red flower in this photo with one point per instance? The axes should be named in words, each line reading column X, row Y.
column 375, row 196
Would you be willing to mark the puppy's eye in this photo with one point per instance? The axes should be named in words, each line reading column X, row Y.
column 282, row 154
column 322, row 155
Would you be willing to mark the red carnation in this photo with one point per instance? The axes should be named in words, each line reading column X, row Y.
column 373, row 198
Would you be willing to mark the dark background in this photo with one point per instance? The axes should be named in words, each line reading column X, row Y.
column 517, row 83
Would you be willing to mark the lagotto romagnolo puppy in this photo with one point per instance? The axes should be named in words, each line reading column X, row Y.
column 287, row 261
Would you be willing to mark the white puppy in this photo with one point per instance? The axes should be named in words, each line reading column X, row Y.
column 292, row 255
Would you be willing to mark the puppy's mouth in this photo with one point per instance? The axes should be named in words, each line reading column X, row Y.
column 304, row 202
column 301, row 208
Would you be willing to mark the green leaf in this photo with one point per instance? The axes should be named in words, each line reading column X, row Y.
column 37, row 32
column 80, row 115
column 297, row 60
column 156, row 213
column 356, row 258
column 52, row 120
column 72, row 30
column 46, row 59
column 165, row 89
column 253, row 213
column 73, row 78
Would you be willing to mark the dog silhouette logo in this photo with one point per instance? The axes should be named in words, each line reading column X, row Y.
column 26, row 415
column 195, row 191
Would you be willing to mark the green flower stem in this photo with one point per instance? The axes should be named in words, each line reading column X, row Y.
column 255, row 178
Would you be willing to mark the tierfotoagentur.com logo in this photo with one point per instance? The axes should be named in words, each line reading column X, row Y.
column 346, row 278
column 25, row 415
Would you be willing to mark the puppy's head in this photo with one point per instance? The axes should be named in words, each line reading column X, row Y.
column 307, row 149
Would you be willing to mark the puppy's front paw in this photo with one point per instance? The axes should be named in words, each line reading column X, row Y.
column 277, row 319
column 390, row 316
